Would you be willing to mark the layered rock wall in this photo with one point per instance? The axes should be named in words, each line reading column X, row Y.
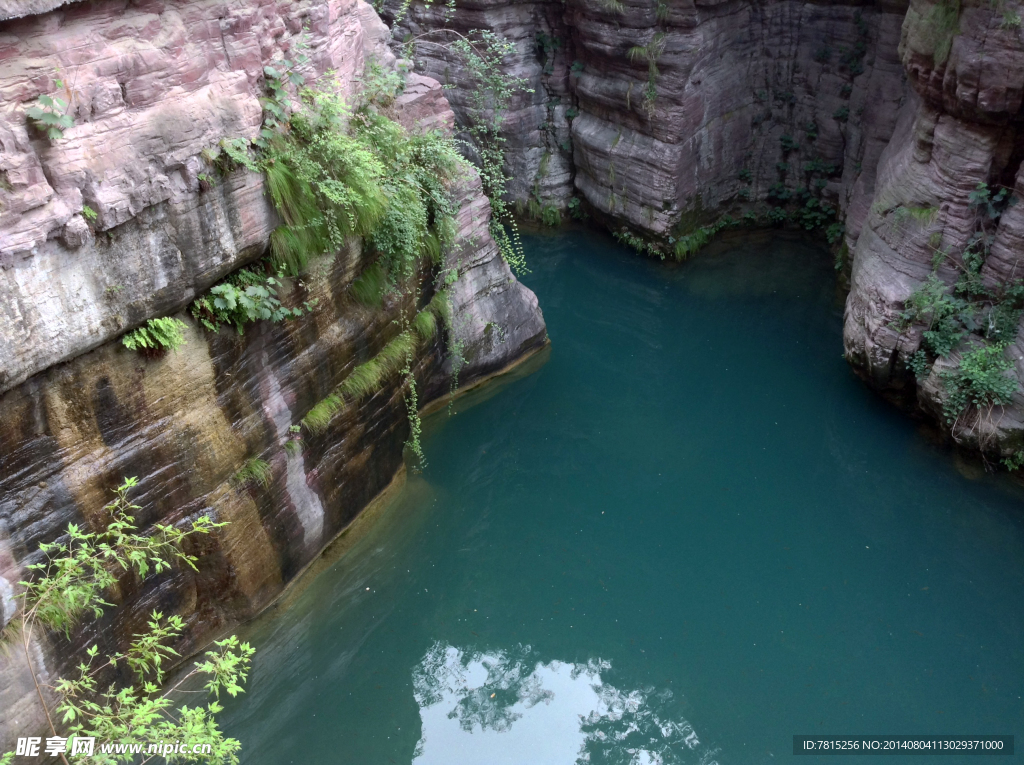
column 762, row 107
column 151, row 85
column 964, row 127
column 732, row 80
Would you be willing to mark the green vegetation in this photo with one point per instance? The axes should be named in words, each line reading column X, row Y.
column 576, row 211
column 50, row 115
column 1015, row 461
column 966, row 313
column 649, row 53
column 246, row 296
column 979, row 381
column 156, row 336
column 937, row 28
column 550, row 216
column 255, row 471
column 89, row 214
column 490, row 92
column 547, row 45
column 394, row 358
column 118, row 697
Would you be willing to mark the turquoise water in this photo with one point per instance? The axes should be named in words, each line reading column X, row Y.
column 691, row 534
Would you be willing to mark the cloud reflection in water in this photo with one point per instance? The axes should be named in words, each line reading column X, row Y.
column 510, row 707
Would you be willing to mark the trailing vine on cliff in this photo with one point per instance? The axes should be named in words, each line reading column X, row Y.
column 336, row 170
column 489, row 90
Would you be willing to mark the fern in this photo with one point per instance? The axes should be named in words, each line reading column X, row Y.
column 162, row 334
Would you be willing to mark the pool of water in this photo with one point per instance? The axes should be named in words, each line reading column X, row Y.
column 688, row 536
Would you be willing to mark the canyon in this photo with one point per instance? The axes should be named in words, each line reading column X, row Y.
column 656, row 119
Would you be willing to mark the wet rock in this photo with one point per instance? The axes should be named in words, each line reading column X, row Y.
column 79, row 412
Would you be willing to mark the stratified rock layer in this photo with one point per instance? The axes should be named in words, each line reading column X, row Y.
column 758, row 105
column 963, row 127
column 154, row 84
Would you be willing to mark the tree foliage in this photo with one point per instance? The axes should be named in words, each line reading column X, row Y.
column 70, row 587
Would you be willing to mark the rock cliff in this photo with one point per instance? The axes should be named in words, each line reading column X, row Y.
column 669, row 118
column 112, row 225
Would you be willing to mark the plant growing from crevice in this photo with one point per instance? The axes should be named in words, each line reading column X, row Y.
column 978, row 381
column 156, row 336
column 247, row 296
column 254, row 471
column 117, row 697
column 49, row 114
column 547, row 45
column 649, row 53
column 395, row 358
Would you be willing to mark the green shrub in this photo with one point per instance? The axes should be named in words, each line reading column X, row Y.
column 156, row 336
column 244, row 297
column 120, row 697
column 980, row 380
column 1014, row 461
column 50, row 115
column 576, row 210
column 550, row 216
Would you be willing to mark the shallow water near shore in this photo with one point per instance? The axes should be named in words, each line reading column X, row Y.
column 689, row 535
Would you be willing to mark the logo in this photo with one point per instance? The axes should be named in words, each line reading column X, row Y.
column 80, row 745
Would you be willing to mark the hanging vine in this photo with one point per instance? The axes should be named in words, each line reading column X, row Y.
column 489, row 90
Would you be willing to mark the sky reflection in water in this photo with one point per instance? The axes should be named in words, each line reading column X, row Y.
column 509, row 707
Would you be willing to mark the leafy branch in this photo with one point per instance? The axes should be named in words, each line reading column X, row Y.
column 71, row 586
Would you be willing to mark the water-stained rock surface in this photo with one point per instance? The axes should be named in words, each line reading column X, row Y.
column 154, row 84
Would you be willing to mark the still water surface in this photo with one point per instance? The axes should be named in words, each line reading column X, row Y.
column 690, row 535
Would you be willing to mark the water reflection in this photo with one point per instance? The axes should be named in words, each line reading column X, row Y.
column 511, row 707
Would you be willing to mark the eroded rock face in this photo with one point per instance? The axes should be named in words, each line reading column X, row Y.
column 150, row 86
column 733, row 79
column 962, row 128
column 873, row 108
column 185, row 423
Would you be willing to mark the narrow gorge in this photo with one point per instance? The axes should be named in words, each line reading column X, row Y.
column 188, row 298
